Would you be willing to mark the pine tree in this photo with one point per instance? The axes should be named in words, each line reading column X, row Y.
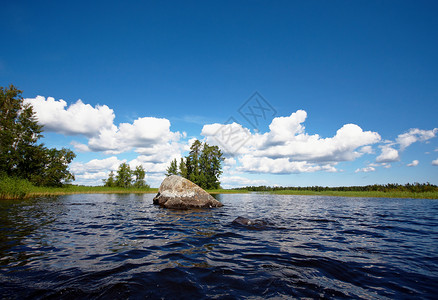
column 110, row 182
column 173, row 168
column 182, row 168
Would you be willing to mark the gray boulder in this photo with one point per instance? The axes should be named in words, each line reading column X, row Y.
column 179, row 193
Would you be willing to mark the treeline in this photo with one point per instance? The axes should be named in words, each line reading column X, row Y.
column 392, row 187
column 126, row 178
column 202, row 166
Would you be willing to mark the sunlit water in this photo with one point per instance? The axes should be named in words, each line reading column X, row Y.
column 122, row 246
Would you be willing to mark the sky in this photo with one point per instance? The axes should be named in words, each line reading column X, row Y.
column 295, row 93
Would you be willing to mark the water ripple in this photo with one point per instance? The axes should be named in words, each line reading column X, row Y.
column 122, row 246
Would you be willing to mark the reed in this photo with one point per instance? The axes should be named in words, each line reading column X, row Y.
column 14, row 188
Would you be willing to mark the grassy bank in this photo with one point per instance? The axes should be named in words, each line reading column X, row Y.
column 365, row 194
column 12, row 188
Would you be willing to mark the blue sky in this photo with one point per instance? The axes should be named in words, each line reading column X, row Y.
column 352, row 85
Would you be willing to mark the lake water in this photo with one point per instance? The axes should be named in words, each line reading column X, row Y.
column 122, row 246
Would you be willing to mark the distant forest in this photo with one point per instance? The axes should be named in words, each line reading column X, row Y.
column 409, row 187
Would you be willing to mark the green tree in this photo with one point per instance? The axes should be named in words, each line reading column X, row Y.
column 193, row 170
column 173, row 168
column 110, row 182
column 124, row 176
column 202, row 166
column 139, row 174
column 210, row 165
column 56, row 170
column 182, row 168
column 20, row 154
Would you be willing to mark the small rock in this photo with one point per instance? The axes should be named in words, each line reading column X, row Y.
column 179, row 193
column 256, row 224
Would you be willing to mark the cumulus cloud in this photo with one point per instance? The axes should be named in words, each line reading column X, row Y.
column 435, row 162
column 388, row 154
column 143, row 133
column 391, row 154
column 92, row 172
column 78, row 118
column 366, row 150
column 366, row 169
column 97, row 124
column 414, row 163
column 231, row 138
column 287, row 148
column 253, row 164
column 95, row 170
column 415, row 135
column 239, row 181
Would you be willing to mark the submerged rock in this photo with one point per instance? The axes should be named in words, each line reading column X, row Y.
column 180, row 193
column 256, row 224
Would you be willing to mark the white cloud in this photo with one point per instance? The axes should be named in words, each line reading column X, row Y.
column 366, row 169
column 78, row 118
column 388, row 154
column 366, row 150
column 313, row 148
column 96, row 165
column 96, row 123
column 143, row 133
column 252, row 164
column 435, row 162
column 231, row 138
column 239, row 181
column 414, row 163
column 287, row 148
column 92, row 172
column 415, row 135
column 283, row 128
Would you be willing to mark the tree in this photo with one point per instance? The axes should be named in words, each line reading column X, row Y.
column 110, row 182
column 182, row 168
column 124, row 176
column 202, row 166
column 20, row 154
column 139, row 174
column 173, row 168
column 210, row 165
column 56, row 168
column 193, row 170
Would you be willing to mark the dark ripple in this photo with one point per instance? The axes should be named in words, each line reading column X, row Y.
column 121, row 246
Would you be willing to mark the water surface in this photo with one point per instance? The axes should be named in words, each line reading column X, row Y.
column 122, row 246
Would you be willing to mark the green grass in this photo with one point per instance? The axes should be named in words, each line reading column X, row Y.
column 13, row 188
column 73, row 189
column 365, row 194
column 224, row 191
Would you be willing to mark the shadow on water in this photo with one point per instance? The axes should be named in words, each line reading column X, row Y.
column 122, row 246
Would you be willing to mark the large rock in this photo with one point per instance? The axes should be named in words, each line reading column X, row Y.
column 179, row 193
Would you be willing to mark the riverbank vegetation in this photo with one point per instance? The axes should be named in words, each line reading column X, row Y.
column 409, row 190
column 16, row 188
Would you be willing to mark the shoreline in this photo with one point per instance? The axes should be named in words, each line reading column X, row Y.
column 72, row 190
